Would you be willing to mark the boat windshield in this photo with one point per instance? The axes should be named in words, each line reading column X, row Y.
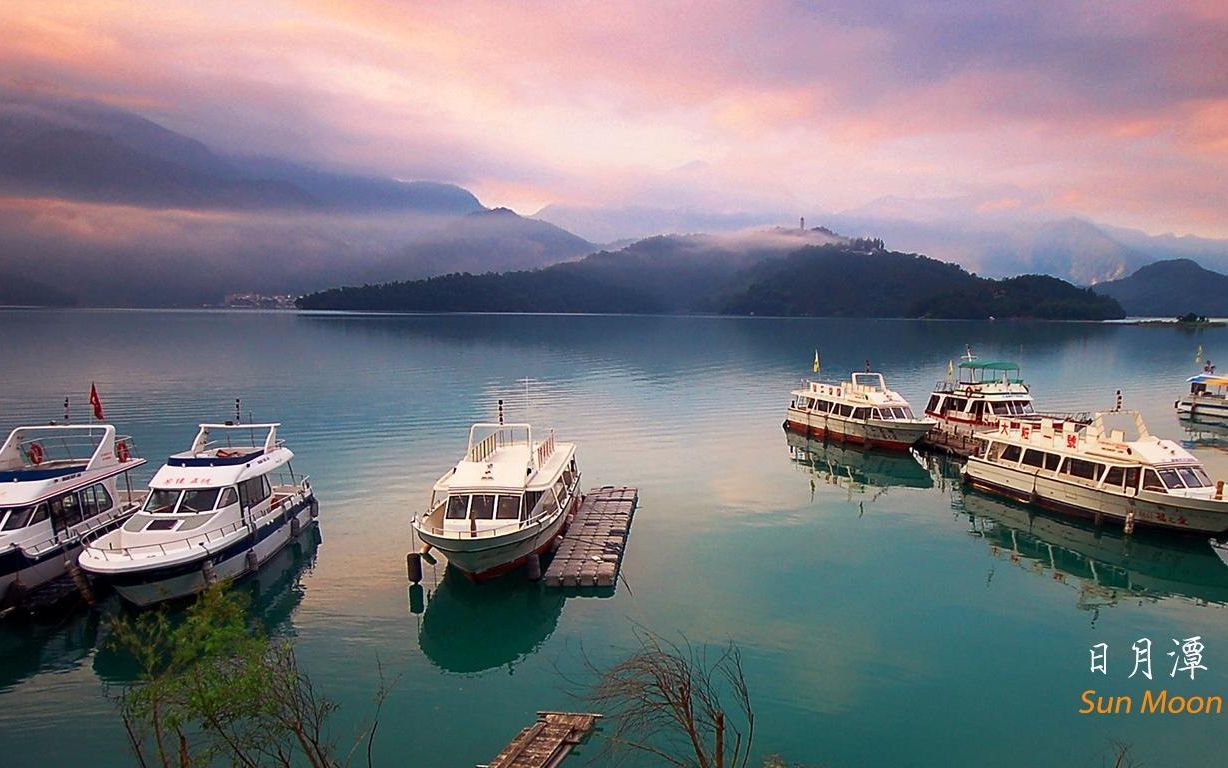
column 1184, row 477
column 483, row 506
column 189, row 502
column 12, row 518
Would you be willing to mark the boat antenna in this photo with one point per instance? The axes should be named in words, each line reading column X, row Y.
column 238, row 412
column 67, row 420
column 500, row 410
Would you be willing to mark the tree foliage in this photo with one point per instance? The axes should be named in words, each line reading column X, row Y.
column 213, row 689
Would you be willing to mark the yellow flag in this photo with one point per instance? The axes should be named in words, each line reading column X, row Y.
column 950, row 370
column 816, row 365
column 1198, row 357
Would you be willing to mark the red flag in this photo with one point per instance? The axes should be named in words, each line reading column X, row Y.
column 94, row 401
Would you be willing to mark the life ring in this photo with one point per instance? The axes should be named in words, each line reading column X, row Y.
column 35, row 453
column 121, row 451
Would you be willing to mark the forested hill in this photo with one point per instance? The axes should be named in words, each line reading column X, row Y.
column 856, row 278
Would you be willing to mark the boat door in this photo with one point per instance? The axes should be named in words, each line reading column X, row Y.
column 245, row 503
column 65, row 512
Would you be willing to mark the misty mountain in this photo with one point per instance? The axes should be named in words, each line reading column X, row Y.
column 56, row 147
column 19, row 291
column 854, row 278
column 497, row 240
column 636, row 222
column 1170, row 288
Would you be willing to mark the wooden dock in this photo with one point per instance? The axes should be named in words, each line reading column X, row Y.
column 591, row 551
column 545, row 743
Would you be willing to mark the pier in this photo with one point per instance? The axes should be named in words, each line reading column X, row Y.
column 591, row 551
column 545, row 743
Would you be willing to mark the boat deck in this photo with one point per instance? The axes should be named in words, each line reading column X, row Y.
column 937, row 441
column 591, row 551
column 545, row 743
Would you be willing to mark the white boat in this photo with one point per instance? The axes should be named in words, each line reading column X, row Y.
column 58, row 485
column 861, row 411
column 1098, row 472
column 508, row 498
column 216, row 511
column 1207, row 399
column 983, row 395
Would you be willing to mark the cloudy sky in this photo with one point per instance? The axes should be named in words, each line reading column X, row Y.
column 1115, row 111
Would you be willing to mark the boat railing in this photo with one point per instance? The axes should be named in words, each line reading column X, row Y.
column 87, row 529
column 473, row 532
column 51, row 447
column 499, row 436
column 167, row 547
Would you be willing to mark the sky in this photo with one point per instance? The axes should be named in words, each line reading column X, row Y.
column 1111, row 111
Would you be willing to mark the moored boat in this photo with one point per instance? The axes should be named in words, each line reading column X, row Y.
column 59, row 485
column 216, row 511
column 979, row 395
column 508, row 498
column 861, row 411
column 1207, row 400
column 1098, row 472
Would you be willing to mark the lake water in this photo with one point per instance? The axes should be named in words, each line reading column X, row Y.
column 885, row 619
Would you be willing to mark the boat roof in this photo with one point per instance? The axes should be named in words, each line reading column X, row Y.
column 504, row 457
column 224, row 454
column 866, row 388
column 70, row 456
column 1210, row 379
column 989, row 365
column 1101, row 440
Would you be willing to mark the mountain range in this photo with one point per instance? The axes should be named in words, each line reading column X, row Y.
column 1171, row 288
column 103, row 206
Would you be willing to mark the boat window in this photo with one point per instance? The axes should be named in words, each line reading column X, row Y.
column 228, row 496
column 845, row 410
column 458, row 506
column 546, row 503
column 254, row 491
column 957, row 404
column 1190, row 479
column 877, row 414
column 530, row 503
column 933, row 404
column 1115, row 477
column 1052, row 460
column 1151, row 481
column 1027, row 407
column 560, row 490
column 859, row 414
column 826, row 406
column 1203, row 480
column 68, row 507
column 995, row 452
column 567, row 477
column 978, row 409
column 508, row 508
column 906, row 413
column 1170, row 478
column 160, row 500
column 1033, row 458
column 483, row 506
column 1132, row 478
column 96, row 500
column 198, row 500
column 1086, row 470
column 15, row 517
column 1011, row 453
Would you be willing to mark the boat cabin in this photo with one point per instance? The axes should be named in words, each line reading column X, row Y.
column 864, row 397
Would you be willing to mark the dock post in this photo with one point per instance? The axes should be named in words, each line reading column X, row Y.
column 413, row 567
column 206, row 569
column 533, row 567
column 1219, row 490
column 81, row 581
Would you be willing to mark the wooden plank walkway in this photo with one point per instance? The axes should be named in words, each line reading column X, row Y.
column 961, row 445
column 545, row 743
column 592, row 549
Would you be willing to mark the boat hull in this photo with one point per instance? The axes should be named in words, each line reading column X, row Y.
column 1211, row 408
column 871, row 433
column 1173, row 513
column 481, row 558
column 150, row 585
column 22, row 574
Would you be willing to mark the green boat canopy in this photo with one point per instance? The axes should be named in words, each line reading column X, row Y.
column 988, row 365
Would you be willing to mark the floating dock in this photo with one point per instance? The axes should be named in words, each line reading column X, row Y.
column 591, row 551
column 545, row 743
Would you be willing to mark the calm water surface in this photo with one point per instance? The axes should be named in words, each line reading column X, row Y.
column 885, row 618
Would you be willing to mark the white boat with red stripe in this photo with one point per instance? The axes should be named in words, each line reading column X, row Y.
column 860, row 411
column 508, row 498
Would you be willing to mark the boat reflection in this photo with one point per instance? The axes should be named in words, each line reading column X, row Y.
column 858, row 470
column 1204, row 431
column 469, row 628
column 1102, row 564
column 274, row 592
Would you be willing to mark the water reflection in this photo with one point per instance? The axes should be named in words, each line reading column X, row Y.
column 1101, row 564
column 859, row 471
column 469, row 628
